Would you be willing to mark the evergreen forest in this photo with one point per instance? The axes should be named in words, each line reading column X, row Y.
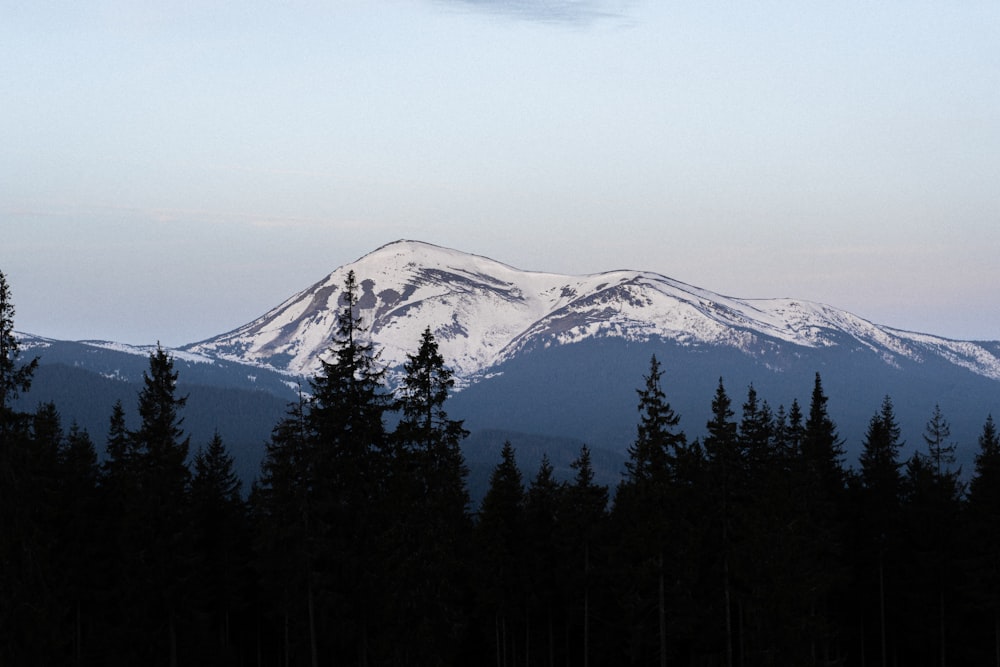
column 756, row 544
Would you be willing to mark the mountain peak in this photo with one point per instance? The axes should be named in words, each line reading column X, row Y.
column 484, row 312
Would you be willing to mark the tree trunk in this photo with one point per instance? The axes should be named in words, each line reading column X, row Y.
column 996, row 633
column 881, row 603
column 662, row 603
column 312, row 623
column 173, row 642
column 728, row 610
column 586, row 607
column 288, row 642
column 552, row 640
column 79, row 635
column 943, row 641
column 527, row 634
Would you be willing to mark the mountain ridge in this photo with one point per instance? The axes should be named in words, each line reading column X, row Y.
column 484, row 312
column 554, row 356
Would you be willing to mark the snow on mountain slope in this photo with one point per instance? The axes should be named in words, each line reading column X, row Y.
column 483, row 312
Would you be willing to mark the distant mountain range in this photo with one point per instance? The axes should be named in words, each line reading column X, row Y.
column 485, row 313
column 557, row 358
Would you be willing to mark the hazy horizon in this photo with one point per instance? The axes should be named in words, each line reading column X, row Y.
column 173, row 172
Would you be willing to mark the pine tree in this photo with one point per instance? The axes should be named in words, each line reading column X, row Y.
column 22, row 544
column 581, row 525
column 429, row 520
column 542, row 502
column 283, row 520
column 15, row 377
column 120, row 466
column 157, row 517
column 984, row 532
column 351, row 456
column 161, row 446
column 764, row 545
column 80, row 530
column 822, row 448
column 426, row 436
column 940, row 451
column 654, row 452
column 821, row 491
column 935, row 502
column 726, row 462
column 877, row 521
column 649, row 518
column 500, row 533
column 220, row 536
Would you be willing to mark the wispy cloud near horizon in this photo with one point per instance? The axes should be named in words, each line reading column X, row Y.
column 548, row 11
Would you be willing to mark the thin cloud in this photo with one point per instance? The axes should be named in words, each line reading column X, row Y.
column 170, row 216
column 547, row 11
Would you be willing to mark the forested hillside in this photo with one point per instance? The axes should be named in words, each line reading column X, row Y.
column 757, row 544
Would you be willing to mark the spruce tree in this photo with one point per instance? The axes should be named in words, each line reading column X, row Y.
column 220, row 542
column 426, row 437
column 821, row 491
column 351, row 456
column 285, row 557
column 939, row 449
column 984, row 535
column 876, row 526
column 764, row 544
column 428, row 513
column 22, row 544
column 933, row 505
column 120, row 468
column 654, row 452
column 15, row 377
column 649, row 517
column 542, row 502
column 501, row 542
column 726, row 462
column 156, row 517
column 581, row 525
column 80, row 532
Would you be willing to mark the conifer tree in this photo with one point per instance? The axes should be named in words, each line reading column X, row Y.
column 500, row 532
column 649, row 518
column 654, row 452
column 877, row 521
column 80, row 530
column 161, row 446
column 582, row 518
column 940, row 451
column 725, row 463
column 15, row 377
column 984, row 532
column 120, row 466
column 542, row 502
column 157, row 514
column 822, row 494
column 283, row 527
column 822, row 448
column 764, row 547
column 429, row 440
column 351, row 456
column 19, row 540
column 429, row 516
column 933, row 505
column 221, row 540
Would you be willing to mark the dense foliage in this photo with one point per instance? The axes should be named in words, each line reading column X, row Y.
column 756, row 545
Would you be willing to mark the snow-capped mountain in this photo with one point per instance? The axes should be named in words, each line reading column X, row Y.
column 485, row 313
column 545, row 358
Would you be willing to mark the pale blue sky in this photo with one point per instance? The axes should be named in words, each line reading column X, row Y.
column 170, row 171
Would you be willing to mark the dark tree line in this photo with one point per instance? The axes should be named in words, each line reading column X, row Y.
column 357, row 545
